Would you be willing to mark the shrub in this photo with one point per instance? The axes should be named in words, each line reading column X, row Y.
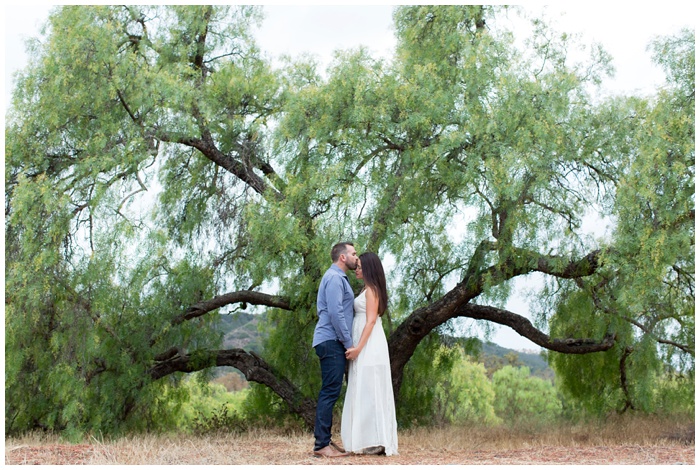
column 520, row 397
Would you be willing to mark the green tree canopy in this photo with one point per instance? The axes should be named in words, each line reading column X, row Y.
column 159, row 171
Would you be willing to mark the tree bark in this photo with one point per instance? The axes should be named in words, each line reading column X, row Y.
column 623, row 379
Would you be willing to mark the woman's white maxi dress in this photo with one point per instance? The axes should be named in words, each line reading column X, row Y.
column 369, row 417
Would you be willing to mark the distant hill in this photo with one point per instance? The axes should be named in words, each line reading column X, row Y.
column 241, row 330
column 534, row 361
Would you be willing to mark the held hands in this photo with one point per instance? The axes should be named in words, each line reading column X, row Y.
column 352, row 353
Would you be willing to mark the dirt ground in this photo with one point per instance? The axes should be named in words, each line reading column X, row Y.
column 266, row 452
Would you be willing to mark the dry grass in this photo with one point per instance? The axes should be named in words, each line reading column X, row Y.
column 615, row 432
column 620, row 441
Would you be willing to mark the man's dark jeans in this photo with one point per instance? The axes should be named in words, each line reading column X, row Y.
column 332, row 356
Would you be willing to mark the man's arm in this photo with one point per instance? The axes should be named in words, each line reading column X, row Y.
column 334, row 301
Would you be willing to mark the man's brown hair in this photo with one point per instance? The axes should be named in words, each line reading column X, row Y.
column 339, row 249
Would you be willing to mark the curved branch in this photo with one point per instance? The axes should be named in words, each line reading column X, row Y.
column 251, row 297
column 228, row 163
column 405, row 339
column 524, row 328
column 251, row 365
column 142, row 188
column 567, row 269
column 650, row 331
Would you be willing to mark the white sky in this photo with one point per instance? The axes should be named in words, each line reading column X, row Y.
column 624, row 29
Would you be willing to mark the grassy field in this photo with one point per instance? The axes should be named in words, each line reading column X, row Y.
column 623, row 440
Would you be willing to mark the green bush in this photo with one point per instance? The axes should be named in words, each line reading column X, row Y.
column 263, row 408
column 674, row 394
column 221, row 420
column 523, row 398
column 211, row 408
column 466, row 395
column 430, row 364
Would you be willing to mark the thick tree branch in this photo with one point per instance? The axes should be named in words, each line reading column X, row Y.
column 524, row 327
column 247, row 296
column 251, row 365
column 520, row 262
column 249, row 152
column 567, row 269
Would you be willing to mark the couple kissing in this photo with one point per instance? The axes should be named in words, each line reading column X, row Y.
column 349, row 332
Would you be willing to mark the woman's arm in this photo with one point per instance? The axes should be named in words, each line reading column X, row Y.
column 372, row 309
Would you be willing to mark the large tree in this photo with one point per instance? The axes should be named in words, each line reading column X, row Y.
column 160, row 172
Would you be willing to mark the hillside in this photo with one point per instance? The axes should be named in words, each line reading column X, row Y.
column 491, row 352
column 241, row 330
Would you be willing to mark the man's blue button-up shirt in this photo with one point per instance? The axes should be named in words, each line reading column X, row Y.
column 335, row 308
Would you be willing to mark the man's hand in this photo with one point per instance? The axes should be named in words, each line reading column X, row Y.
column 352, row 353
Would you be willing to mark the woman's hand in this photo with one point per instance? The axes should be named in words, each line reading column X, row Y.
column 352, row 353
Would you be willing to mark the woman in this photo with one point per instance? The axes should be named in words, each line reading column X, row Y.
column 368, row 425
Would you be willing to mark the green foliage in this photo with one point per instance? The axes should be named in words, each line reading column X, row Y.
column 466, row 396
column 211, row 409
column 675, row 394
column 592, row 381
column 93, row 294
column 654, row 237
column 523, row 398
column 431, row 364
column 454, row 389
column 262, row 408
column 650, row 282
column 95, row 348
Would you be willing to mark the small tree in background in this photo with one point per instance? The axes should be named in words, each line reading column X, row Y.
column 466, row 396
column 523, row 398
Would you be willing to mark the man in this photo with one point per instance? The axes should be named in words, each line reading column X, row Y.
column 332, row 336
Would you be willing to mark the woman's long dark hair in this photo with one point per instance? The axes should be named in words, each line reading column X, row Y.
column 373, row 276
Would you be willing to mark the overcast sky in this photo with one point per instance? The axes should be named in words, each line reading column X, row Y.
column 623, row 28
